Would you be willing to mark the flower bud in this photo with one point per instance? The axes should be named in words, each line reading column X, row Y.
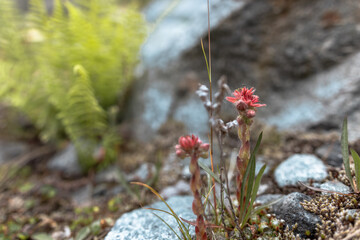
column 180, row 153
column 250, row 113
column 241, row 105
column 204, row 147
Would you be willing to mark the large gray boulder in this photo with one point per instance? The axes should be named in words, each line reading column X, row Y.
column 142, row 224
column 162, row 92
column 304, row 78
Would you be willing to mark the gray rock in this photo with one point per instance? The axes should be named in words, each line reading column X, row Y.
column 331, row 153
column 330, row 99
column 304, row 78
column 182, row 27
column 161, row 98
column 143, row 173
column 180, row 188
column 108, row 175
column 82, row 196
column 300, row 167
column 157, row 101
column 335, row 186
column 268, row 198
column 259, row 164
column 11, row 149
column 290, row 210
column 66, row 162
column 142, row 224
column 193, row 114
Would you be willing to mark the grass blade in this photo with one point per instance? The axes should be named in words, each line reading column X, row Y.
column 259, row 208
column 249, row 187
column 256, row 148
column 208, row 171
column 356, row 158
column 254, row 194
column 180, row 223
column 345, row 152
column 207, row 64
column 242, row 192
column 168, row 226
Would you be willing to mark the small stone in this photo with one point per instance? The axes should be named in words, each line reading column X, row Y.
column 290, row 209
column 143, row 173
column 268, row 198
column 142, row 224
column 108, row 175
column 351, row 214
column 66, row 162
column 335, row 186
column 331, row 153
column 10, row 150
column 300, row 167
column 16, row 203
column 263, row 188
column 82, row 197
column 179, row 188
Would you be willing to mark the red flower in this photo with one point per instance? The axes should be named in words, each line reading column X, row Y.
column 244, row 98
column 191, row 144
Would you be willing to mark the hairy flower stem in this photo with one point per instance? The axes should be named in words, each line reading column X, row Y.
column 197, row 206
column 243, row 158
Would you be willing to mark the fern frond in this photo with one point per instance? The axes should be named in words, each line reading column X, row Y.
column 81, row 114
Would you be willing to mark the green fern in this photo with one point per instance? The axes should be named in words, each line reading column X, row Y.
column 38, row 53
column 80, row 112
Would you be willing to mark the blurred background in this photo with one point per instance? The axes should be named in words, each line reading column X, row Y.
column 95, row 93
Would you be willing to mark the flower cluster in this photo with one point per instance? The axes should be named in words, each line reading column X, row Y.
column 192, row 146
column 189, row 145
column 245, row 101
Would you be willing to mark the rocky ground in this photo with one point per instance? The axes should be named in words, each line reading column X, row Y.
column 44, row 193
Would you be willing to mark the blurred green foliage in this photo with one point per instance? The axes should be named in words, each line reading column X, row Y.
column 69, row 71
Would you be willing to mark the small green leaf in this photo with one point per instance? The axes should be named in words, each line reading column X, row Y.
column 208, row 170
column 83, row 233
column 357, row 168
column 41, row 236
column 345, row 152
column 249, row 169
column 26, row 187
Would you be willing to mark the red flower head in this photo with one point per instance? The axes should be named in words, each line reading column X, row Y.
column 191, row 144
column 244, row 99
